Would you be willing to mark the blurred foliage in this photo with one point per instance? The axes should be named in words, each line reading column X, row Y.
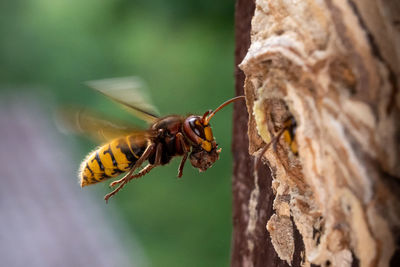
column 184, row 50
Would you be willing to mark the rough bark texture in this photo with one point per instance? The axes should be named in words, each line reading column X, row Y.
column 252, row 197
column 333, row 66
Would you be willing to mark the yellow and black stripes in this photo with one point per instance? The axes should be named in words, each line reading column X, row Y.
column 111, row 159
column 289, row 135
column 199, row 133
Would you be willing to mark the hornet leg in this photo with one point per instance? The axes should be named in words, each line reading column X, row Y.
column 185, row 155
column 274, row 142
column 143, row 171
column 138, row 163
column 125, row 179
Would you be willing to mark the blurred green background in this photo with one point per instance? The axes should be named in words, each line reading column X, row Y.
column 184, row 51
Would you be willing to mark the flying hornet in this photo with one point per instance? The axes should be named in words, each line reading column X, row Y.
column 126, row 148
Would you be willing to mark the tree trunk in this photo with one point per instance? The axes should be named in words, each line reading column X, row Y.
column 325, row 74
column 252, row 198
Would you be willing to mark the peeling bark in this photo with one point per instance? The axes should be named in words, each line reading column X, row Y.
column 333, row 66
column 252, row 197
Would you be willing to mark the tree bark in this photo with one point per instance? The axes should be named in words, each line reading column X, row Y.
column 333, row 67
column 252, row 198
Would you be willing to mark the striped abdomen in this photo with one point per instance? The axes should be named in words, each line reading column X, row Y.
column 289, row 135
column 111, row 159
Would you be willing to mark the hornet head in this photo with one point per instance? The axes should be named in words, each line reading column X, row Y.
column 198, row 130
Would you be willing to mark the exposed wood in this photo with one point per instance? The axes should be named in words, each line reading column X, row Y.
column 334, row 66
column 252, row 197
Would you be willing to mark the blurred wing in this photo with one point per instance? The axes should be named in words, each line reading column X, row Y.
column 82, row 121
column 130, row 92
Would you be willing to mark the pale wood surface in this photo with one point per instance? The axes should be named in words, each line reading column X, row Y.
column 334, row 66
